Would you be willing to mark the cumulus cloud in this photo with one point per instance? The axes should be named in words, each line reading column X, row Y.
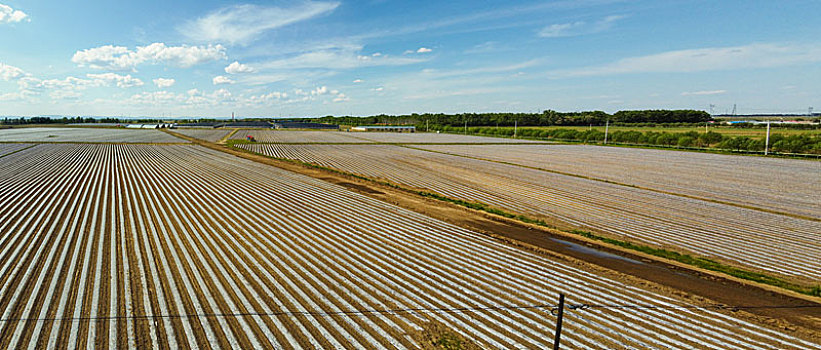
column 357, row 81
column 221, row 79
column 122, row 81
column 164, row 83
column 10, row 15
column 242, row 24
column 8, row 72
column 706, row 59
column 319, row 91
column 578, row 28
column 237, row 68
column 70, row 87
column 265, row 98
column 121, row 58
column 704, row 92
column 419, row 50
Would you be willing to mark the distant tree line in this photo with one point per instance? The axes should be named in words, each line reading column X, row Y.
column 546, row 118
column 801, row 143
column 49, row 120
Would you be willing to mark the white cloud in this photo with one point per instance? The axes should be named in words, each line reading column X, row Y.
column 264, row 98
column 485, row 47
column 578, row 28
column 155, row 98
column 122, row 81
column 8, row 72
column 11, row 96
column 322, row 90
column 357, row 81
column 341, row 98
column 190, row 99
column 164, row 83
column 221, row 79
column 236, row 68
column 337, row 57
column 706, row 59
column 378, row 89
column 122, row 59
column 704, row 92
column 10, row 15
column 419, row 50
column 242, row 24
column 64, row 95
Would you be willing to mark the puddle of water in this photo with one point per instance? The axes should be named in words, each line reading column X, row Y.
column 587, row 250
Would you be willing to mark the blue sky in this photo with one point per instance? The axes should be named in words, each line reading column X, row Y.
column 295, row 58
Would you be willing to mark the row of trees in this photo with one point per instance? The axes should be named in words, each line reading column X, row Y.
column 801, row 143
column 546, row 118
column 49, row 120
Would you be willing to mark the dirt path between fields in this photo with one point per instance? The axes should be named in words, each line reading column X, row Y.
column 795, row 313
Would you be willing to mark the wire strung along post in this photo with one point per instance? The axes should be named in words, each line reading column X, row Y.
column 557, row 338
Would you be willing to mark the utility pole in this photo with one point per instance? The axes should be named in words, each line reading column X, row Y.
column 466, row 126
column 427, row 128
column 606, row 129
column 767, row 141
column 515, row 127
column 558, row 336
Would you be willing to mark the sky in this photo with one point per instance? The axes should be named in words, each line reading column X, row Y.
column 313, row 58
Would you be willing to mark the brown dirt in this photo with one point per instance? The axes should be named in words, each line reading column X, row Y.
column 668, row 277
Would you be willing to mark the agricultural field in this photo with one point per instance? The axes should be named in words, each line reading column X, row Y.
column 86, row 135
column 209, row 134
column 425, row 137
column 773, row 243
column 8, row 148
column 141, row 246
column 786, row 185
column 280, row 136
